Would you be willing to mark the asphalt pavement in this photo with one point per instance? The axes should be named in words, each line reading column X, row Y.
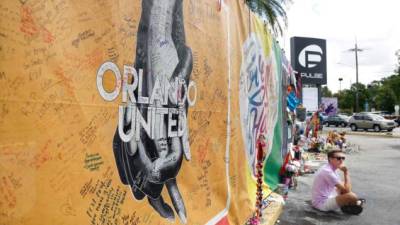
column 375, row 175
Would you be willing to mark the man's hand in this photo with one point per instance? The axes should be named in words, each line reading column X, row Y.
column 346, row 186
column 344, row 169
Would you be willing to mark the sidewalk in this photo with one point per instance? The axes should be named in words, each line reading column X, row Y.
column 312, row 162
column 273, row 209
column 373, row 178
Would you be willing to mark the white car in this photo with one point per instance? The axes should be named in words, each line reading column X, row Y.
column 370, row 121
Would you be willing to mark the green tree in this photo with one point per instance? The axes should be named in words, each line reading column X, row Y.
column 272, row 10
column 326, row 92
column 387, row 94
column 397, row 71
column 392, row 83
column 373, row 90
column 345, row 100
column 363, row 95
column 381, row 94
column 386, row 99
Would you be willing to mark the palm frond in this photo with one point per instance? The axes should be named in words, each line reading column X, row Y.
column 272, row 11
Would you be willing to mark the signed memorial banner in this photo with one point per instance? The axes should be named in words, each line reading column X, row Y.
column 135, row 112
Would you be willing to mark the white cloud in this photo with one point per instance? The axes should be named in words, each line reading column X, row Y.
column 340, row 22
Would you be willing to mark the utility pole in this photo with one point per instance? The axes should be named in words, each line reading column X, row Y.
column 340, row 84
column 356, row 50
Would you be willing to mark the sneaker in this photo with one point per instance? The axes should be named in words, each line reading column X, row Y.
column 352, row 209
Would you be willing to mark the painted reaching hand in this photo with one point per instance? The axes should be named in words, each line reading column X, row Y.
column 153, row 161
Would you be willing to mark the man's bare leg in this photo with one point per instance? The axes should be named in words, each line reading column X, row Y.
column 347, row 199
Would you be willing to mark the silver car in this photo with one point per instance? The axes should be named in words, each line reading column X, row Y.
column 370, row 121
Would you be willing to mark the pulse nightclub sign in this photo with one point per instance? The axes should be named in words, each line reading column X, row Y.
column 308, row 56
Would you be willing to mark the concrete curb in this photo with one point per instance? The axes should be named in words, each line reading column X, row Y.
column 273, row 211
column 368, row 133
column 378, row 134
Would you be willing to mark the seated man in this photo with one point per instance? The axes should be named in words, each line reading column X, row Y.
column 329, row 193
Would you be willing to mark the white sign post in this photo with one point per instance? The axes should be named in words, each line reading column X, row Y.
column 396, row 109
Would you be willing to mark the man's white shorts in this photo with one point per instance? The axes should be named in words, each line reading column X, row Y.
column 330, row 204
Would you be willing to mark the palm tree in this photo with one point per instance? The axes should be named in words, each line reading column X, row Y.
column 271, row 10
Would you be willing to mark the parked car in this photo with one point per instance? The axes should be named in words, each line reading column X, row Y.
column 370, row 121
column 394, row 118
column 344, row 116
column 337, row 120
column 397, row 121
column 323, row 115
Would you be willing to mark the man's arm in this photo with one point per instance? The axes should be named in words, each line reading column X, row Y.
column 346, row 186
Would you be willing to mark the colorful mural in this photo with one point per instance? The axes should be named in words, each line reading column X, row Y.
column 329, row 106
column 136, row 112
column 261, row 109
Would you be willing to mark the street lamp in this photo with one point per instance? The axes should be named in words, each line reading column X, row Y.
column 340, row 84
column 356, row 50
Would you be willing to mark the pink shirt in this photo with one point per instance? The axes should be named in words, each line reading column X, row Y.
column 324, row 185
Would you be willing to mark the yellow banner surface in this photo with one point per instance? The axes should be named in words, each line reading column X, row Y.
column 132, row 112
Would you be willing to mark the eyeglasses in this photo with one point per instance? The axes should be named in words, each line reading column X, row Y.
column 340, row 158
